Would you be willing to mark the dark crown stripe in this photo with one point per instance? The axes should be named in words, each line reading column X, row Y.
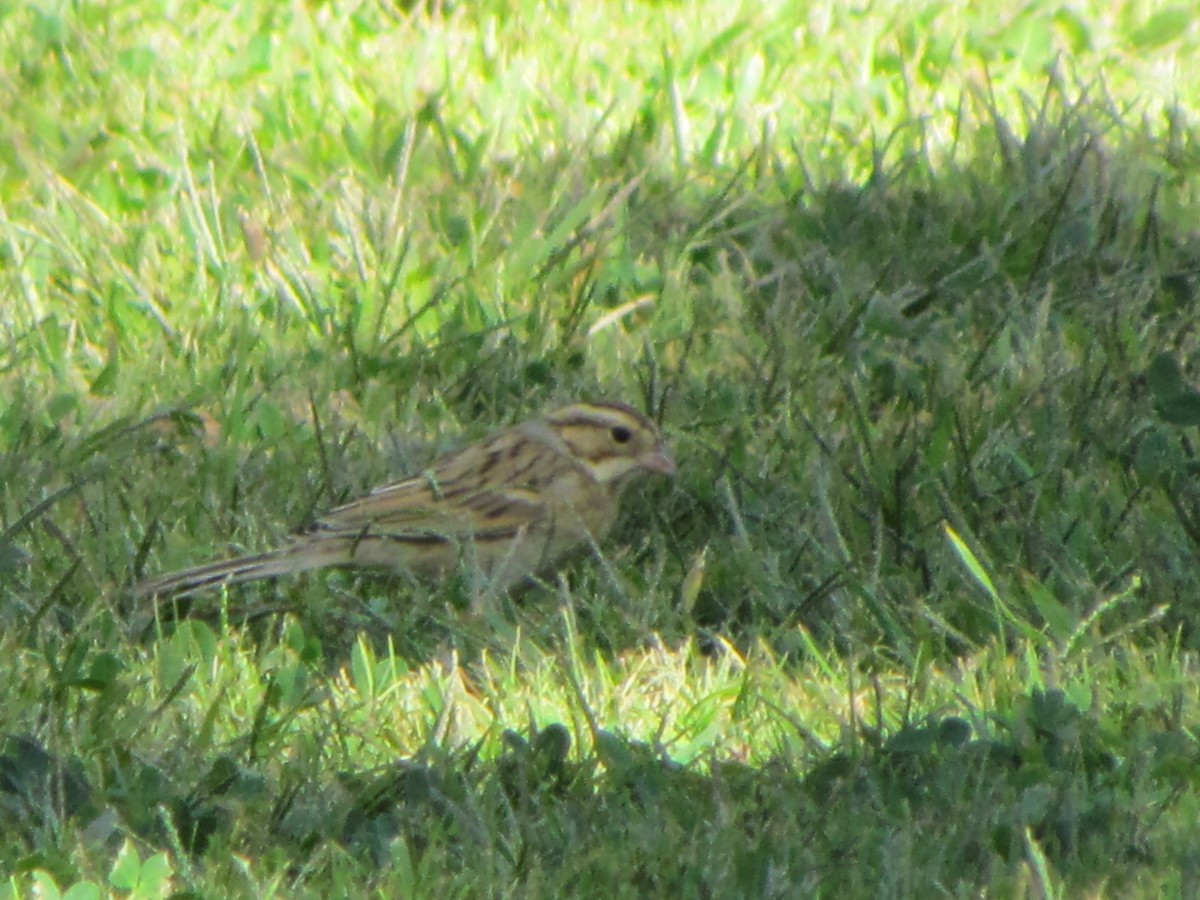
column 596, row 413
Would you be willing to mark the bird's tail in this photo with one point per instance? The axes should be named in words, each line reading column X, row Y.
column 298, row 557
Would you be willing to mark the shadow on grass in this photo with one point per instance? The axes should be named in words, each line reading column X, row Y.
column 931, row 803
column 845, row 369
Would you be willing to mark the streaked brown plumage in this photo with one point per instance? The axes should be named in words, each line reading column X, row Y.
column 506, row 508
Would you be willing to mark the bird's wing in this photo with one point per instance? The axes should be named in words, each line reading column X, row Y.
column 488, row 490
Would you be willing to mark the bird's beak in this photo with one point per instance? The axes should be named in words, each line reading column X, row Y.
column 659, row 461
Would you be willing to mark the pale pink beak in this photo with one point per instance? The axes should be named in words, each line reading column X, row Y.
column 659, row 461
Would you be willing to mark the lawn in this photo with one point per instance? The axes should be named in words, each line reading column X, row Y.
column 909, row 287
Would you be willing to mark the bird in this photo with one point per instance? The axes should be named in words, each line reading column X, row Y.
column 506, row 508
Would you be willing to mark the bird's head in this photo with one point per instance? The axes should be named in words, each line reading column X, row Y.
column 611, row 440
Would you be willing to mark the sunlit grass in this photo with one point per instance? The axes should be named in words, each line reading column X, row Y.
column 910, row 287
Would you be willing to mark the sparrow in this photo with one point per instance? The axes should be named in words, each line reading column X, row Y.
column 506, row 508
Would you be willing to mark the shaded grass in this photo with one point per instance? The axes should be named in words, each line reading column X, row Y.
column 857, row 795
column 886, row 276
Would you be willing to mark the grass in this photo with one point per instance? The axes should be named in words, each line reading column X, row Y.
column 910, row 287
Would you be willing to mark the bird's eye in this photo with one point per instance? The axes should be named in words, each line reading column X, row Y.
column 621, row 434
